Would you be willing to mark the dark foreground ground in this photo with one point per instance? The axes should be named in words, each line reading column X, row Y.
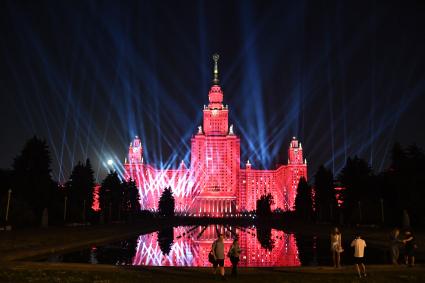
column 34, row 272
column 19, row 248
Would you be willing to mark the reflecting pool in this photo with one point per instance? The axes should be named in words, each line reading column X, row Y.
column 190, row 245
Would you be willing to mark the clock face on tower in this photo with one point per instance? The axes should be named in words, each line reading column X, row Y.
column 135, row 149
column 215, row 112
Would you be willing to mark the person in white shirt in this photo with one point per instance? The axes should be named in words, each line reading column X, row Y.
column 359, row 245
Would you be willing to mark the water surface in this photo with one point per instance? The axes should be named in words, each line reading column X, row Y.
column 190, row 245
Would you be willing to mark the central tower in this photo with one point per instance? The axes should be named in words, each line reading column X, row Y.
column 215, row 156
column 216, row 116
column 214, row 184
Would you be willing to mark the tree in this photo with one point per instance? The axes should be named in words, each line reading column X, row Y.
column 402, row 184
column 166, row 203
column 357, row 179
column 166, row 240
column 264, row 237
column 304, row 200
column 399, row 159
column 131, row 199
column 5, row 182
column 324, row 196
column 264, row 204
column 110, row 196
column 31, row 176
column 79, row 189
column 415, row 183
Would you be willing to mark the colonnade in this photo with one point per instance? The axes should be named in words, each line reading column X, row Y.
column 216, row 206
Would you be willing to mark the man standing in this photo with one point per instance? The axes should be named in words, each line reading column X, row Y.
column 218, row 250
column 359, row 244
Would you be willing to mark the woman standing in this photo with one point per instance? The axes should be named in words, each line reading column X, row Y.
column 336, row 247
column 234, row 253
column 395, row 246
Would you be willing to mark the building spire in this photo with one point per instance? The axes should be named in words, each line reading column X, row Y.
column 215, row 58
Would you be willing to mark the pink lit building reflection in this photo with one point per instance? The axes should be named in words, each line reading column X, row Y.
column 192, row 244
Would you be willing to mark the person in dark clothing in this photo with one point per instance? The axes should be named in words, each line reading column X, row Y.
column 410, row 246
column 234, row 253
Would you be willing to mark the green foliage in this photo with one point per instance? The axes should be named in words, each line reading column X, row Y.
column 304, row 200
column 166, row 203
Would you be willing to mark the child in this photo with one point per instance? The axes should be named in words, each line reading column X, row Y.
column 359, row 244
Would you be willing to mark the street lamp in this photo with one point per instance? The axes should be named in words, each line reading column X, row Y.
column 110, row 162
column 64, row 208
column 8, row 204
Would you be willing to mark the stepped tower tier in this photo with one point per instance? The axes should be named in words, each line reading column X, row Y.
column 215, row 156
column 216, row 115
column 135, row 151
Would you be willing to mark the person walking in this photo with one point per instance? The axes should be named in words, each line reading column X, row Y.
column 410, row 246
column 359, row 245
column 218, row 252
column 234, row 253
column 336, row 247
column 395, row 246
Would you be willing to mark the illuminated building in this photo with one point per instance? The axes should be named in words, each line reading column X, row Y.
column 215, row 184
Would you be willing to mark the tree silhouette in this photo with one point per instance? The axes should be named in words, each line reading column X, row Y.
column 131, row 199
column 357, row 179
column 166, row 239
column 264, row 237
column 264, row 204
column 166, row 203
column 5, row 182
column 79, row 190
column 110, row 196
column 324, row 197
column 402, row 184
column 304, row 201
column 31, row 176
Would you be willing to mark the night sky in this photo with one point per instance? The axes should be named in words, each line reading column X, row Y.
column 347, row 78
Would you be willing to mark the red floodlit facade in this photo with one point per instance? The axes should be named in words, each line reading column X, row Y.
column 191, row 245
column 215, row 184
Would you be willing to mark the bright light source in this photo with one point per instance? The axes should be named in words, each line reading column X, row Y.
column 110, row 162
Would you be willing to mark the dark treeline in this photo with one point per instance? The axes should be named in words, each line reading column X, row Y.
column 118, row 200
column 35, row 198
column 392, row 197
column 33, row 191
column 358, row 195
